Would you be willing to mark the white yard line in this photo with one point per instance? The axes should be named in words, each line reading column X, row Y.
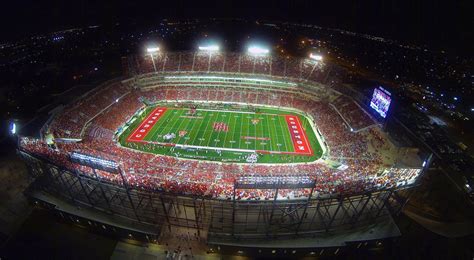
column 228, row 125
column 205, row 129
column 210, row 137
column 284, row 139
column 199, row 127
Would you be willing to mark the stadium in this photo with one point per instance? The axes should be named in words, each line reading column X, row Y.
column 245, row 148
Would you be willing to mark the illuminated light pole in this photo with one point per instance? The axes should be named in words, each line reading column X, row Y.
column 315, row 57
column 210, row 49
column 151, row 51
column 257, row 51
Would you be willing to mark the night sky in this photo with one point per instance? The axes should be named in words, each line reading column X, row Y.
column 439, row 24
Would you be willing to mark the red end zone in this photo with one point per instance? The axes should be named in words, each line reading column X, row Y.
column 142, row 130
column 298, row 135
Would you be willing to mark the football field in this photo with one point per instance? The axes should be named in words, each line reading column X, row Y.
column 224, row 135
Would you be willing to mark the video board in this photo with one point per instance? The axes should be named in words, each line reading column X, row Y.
column 380, row 102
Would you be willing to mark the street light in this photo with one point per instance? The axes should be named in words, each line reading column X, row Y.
column 151, row 51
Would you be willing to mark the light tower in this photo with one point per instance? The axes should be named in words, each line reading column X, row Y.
column 151, row 51
column 315, row 57
column 257, row 51
column 210, row 49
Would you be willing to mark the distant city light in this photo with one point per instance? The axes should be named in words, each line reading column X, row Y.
column 455, row 98
column 13, row 128
column 209, row 48
column 472, row 109
column 256, row 50
column 152, row 49
column 316, row 57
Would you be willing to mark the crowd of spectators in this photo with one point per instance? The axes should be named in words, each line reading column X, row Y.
column 71, row 121
column 109, row 108
column 303, row 69
column 352, row 113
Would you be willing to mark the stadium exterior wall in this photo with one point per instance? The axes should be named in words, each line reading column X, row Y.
column 217, row 218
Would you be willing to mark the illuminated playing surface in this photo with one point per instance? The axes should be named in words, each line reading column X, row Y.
column 276, row 136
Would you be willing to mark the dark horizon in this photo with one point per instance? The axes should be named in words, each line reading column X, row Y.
column 438, row 24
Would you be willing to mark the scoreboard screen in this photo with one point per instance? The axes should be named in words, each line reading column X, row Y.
column 381, row 100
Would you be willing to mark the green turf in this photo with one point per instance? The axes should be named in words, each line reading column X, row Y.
column 200, row 132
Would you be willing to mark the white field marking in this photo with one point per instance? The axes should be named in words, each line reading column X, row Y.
column 215, row 148
column 248, row 130
column 186, row 137
column 269, row 132
column 255, row 131
column 179, row 128
column 304, row 135
column 219, row 133
column 284, row 139
column 241, row 124
column 289, row 109
column 230, row 111
column 228, row 128
column 174, row 124
column 205, row 129
column 161, row 128
column 255, row 126
column 276, row 134
column 218, row 148
column 197, row 134
column 158, row 126
column 287, row 141
column 217, row 116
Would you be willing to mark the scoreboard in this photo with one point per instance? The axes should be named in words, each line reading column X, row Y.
column 381, row 100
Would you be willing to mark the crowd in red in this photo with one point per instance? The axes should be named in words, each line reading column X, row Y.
column 70, row 122
column 302, row 69
column 141, row 170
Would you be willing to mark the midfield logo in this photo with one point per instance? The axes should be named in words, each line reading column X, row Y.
column 220, row 127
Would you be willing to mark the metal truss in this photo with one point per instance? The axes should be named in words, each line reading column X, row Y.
column 227, row 218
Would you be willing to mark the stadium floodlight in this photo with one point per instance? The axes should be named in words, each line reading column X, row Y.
column 209, row 48
column 257, row 50
column 152, row 49
column 315, row 57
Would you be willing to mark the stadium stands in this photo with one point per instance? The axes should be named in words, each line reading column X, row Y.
column 96, row 118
